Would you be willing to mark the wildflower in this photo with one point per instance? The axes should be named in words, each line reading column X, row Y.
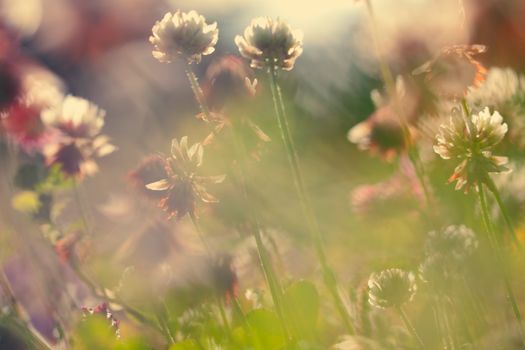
column 472, row 142
column 391, row 288
column 183, row 34
column 75, row 117
column 79, row 123
column 104, row 311
column 454, row 70
column 382, row 132
column 456, row 242
column 270, row 43
column 182, row 186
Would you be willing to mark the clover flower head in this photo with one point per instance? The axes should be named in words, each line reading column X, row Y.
column 270, row 43
column 79, row 122
column 183, row 187
column 472, row 141
column 391, row 288
column 183, row 34
column 455, row 242
column 75, row 117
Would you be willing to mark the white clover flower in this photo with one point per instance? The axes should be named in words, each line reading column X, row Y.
column 270, row 43
column 183, row 34
column 391, row 288
column 472, row 141
column 75, row 117
column 79, row 122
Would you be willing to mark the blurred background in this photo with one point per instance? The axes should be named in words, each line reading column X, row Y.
column 99, row 50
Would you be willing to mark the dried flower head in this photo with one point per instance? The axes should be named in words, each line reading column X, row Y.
column 391, row 288
column 472, row 141
column 270, row 43
column 182, row 186
column 184, row 34
column 454, row 70
column 456, row 242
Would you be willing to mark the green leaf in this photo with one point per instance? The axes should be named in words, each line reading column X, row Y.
column 302, row 304
column 265, row 328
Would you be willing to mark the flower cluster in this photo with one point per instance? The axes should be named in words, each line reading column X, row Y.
column 270, row 43
column 182, row 187
column 391, row 288
column 185, row 35
column 472, row 141
column 446, row 252
column 79, row 123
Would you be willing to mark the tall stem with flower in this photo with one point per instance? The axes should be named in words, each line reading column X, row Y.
column 273, row 45
column 183, row 27
column 471, row 139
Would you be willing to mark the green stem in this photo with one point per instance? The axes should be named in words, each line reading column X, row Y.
column 270, row 276
column 496, row 247
column 255, row 230
column 201, row 234
column 306, row 207
column 409, row 326
column 492, row 187
column 80, row 207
